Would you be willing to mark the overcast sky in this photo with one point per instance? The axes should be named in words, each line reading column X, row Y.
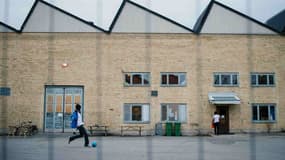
column 102, row 12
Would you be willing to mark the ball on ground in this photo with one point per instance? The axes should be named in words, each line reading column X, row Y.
column 94, row 144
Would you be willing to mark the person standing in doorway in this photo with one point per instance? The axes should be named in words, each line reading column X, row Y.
column 77, row 119
column 216, row 122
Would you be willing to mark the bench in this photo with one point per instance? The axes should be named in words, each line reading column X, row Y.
column 131, row 128
column 98, row 128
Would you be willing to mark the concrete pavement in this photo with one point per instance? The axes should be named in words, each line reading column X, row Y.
column 223, row 147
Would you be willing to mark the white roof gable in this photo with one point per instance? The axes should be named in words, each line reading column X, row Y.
column 135, row 19
column 45, row 18
column 224, row 20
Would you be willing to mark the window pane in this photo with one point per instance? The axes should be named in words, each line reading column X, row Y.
column 145, row 112
column 58, row 103
column 127, row 79
column 272, row 113
column 68, row 108
column 68, row 99
column 271, row 79
column 263, row 112
column 164, row 79
column 182, row 80
column 163, row 113
column 254, row 113
column 5, row 91
column 173, row 112
column 49, row 108
column 58, row 108
column 216, row 79
column 226, row 79
column 262, row 79
column 127, row 113
column 146, row 78
column 59, row 99
column 77, row 99
column 50, row 99
column 234, row 79
column 253, row 79
column 182, row 113
column 137, row 79
column 173, row 79
column 136, row 113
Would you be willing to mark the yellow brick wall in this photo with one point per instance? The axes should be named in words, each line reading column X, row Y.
column 97, row 61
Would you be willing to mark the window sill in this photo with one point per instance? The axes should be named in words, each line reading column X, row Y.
column 136, row 86
column 262, row 86
column 173, row 85
column 226, row 85
column 130, row 122
column 164, row 122
column 263, row 121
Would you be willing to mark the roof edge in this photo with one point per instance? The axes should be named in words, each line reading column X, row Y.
column 10, row 27
column 246, row 16
column 202, row 18
column 29, row 15
column 159, row 15
column 62, row 11
column 117, row 16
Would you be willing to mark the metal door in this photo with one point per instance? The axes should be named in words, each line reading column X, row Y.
column 59, row 105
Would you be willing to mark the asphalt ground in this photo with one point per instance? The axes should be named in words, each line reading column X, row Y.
column 222, row 147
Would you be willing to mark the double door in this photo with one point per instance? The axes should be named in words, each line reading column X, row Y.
column 59, row 105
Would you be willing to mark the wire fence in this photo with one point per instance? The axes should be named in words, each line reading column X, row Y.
column 148, row 66
column 4, row 81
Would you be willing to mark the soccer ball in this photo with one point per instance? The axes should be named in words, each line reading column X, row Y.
column 94, row 144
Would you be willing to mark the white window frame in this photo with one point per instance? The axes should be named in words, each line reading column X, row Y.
column 231, row 74
column 179, row 74
column 144, row 75
column 270, row 117
column 257, row 74
column 181, row 110
column 145, row 112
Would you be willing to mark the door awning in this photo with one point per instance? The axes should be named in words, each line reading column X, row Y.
column 223, row 98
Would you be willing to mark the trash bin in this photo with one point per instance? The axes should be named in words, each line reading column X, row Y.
column 168, row 129
column 159, row 129
column 177, row 129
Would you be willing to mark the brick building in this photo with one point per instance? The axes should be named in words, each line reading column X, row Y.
column 157, row 72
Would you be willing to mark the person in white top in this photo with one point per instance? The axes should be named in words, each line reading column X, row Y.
column 77, row 120
column 216, row 122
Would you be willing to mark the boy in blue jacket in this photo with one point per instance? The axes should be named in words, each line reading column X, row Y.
column 74, row 122
column 79, row 124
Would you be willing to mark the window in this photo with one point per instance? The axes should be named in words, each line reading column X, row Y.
column 173, row 79
column 5, row 91
column 226, row 79
column 137, row 113
column 262, row 79
column 137, row 79
column 173, row 112
column 263, row 112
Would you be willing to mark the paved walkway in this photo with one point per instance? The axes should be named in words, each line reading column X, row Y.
column 223, row 147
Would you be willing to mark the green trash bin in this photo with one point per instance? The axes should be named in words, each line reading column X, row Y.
column 168, row 129
column 177, row 129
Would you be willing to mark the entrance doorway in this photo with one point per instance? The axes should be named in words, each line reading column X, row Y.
column 59, row 104
column 224, row 119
